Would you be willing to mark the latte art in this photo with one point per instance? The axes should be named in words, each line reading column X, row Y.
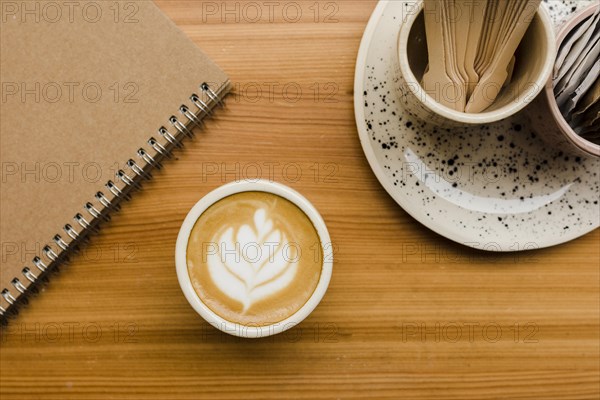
column 252, row 262
column 254, row 258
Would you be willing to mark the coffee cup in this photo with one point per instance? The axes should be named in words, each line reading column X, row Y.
column 253, row 258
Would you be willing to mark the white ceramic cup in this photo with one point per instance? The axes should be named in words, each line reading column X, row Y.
column 186, row 283
column 534, row 62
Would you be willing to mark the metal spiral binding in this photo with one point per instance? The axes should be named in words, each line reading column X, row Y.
column 148, row 158
column 29, row 275
column 39, row 263
column 138, row 171
column 61, row 243
column 114, row 189
column 71, row 232
column 191, row 116
column 8, row 297
column 50, row 253
column 92, row 210
column 17, row 284
column 180, row 127
column 59, row 249
column 159, row 148
column 82, row 221
column 200, row 104
column 162, row 131
column 102, row 199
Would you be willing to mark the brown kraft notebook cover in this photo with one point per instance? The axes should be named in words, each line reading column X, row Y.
column 85, row 87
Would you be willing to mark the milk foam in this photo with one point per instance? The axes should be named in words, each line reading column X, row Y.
column 253, row 261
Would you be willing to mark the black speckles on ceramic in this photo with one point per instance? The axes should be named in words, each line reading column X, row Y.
column 494, row 187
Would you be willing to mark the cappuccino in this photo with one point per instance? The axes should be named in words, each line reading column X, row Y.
column 254, row 258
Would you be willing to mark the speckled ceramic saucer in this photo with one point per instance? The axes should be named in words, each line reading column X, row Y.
column 496, row 187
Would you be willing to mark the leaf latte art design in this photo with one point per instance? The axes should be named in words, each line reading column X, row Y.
column 252, row 263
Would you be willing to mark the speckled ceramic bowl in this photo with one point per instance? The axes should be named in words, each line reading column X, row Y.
column 534, row 62
column 556, row 130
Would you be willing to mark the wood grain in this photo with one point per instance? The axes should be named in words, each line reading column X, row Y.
column 408, row 313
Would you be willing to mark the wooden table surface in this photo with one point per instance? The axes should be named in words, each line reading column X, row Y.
column 408, row 314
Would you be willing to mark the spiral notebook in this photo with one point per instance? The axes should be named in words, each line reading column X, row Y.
column 93, row 98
